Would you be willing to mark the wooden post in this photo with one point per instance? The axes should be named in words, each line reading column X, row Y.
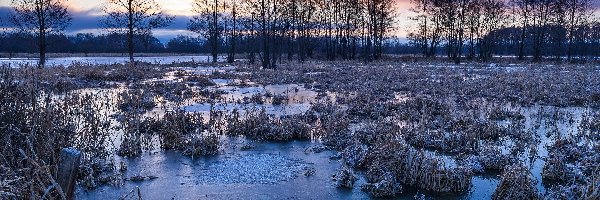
column 67, row 171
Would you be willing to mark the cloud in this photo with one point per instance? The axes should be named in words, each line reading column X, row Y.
column 84, row 20
column 180, row 22
column 164, row 35
column 5, row 13
column 89, row 21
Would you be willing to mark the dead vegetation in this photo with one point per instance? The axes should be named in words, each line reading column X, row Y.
column 45, row 110
column 468, row 110
column 35, row 127
column 423, row 127
column 517, row 183
column 256, row 124
column 344, row 178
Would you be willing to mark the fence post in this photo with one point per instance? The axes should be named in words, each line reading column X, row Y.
column 67, row 171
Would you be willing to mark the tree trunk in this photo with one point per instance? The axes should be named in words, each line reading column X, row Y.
column 266, row 53
column 42, row 36
column 215, row 45
column 523, row 33
column 233, row 40
column 130, row 33
column 42, row 41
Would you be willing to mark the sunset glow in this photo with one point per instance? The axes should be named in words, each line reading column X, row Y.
column 175, row 7
column 88, row 12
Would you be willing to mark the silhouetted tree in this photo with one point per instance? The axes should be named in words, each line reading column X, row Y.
column 41, row 18
column 209, row 23
column 428, row 33
column 233, row 32
column 579, row 14
column 493, row 16
column 135, row 18
column 185, row 44
column 264, row 14
column 85, row 42
column 522, row 11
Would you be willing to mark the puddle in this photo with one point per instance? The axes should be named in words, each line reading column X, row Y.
column 298, row 99
column 207, row 70
column 277, row 110
column 222, row 82
column 66, row 61
column 252, row 169
column 293, row 92
column 269, row 171
column 483, row 187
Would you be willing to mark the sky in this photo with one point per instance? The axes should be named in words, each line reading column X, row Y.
column 87, row 13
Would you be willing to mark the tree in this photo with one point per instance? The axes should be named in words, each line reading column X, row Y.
column 249, row 24
column 428, row 33
column 135, row 18
column 85, row 42
column 542, row 17
column 41, row 18
column 493, row 16
column 522, row 9
column 305, row 14
column 209, row 23
column 381, row 16
column 185, row 44
column 233, row 31
column 578, row 14
column 265, row 16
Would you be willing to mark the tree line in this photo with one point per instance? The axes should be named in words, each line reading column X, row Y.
column 89, row 43
column 480, row 28
column 85, row 43
column 269, row 31
column 272, row 30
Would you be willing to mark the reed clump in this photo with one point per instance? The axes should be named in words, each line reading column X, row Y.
column 344, row 178
column 396, row 161
column 36, row 126
column 517, row 183
column 258, row 125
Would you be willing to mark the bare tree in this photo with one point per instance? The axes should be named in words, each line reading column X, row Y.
column 249, row 25
column 428, row 33
column 542, row 17
column 233, row 33
column 208, row 22
column 135, row 18
column 522, row 9
column 382, row 17
column 41, row 18
column 578, row 14
column 493, row 17
column 266, row 14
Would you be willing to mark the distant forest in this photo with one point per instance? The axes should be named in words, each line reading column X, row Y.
column 506, row 43
column 115, row 43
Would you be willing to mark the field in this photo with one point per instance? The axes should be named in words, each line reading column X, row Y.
column 321, row 130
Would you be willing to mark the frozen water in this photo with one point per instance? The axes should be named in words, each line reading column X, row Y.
column 269, row 171
column 252, row 169
column 278, row 110
column 66, row 61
